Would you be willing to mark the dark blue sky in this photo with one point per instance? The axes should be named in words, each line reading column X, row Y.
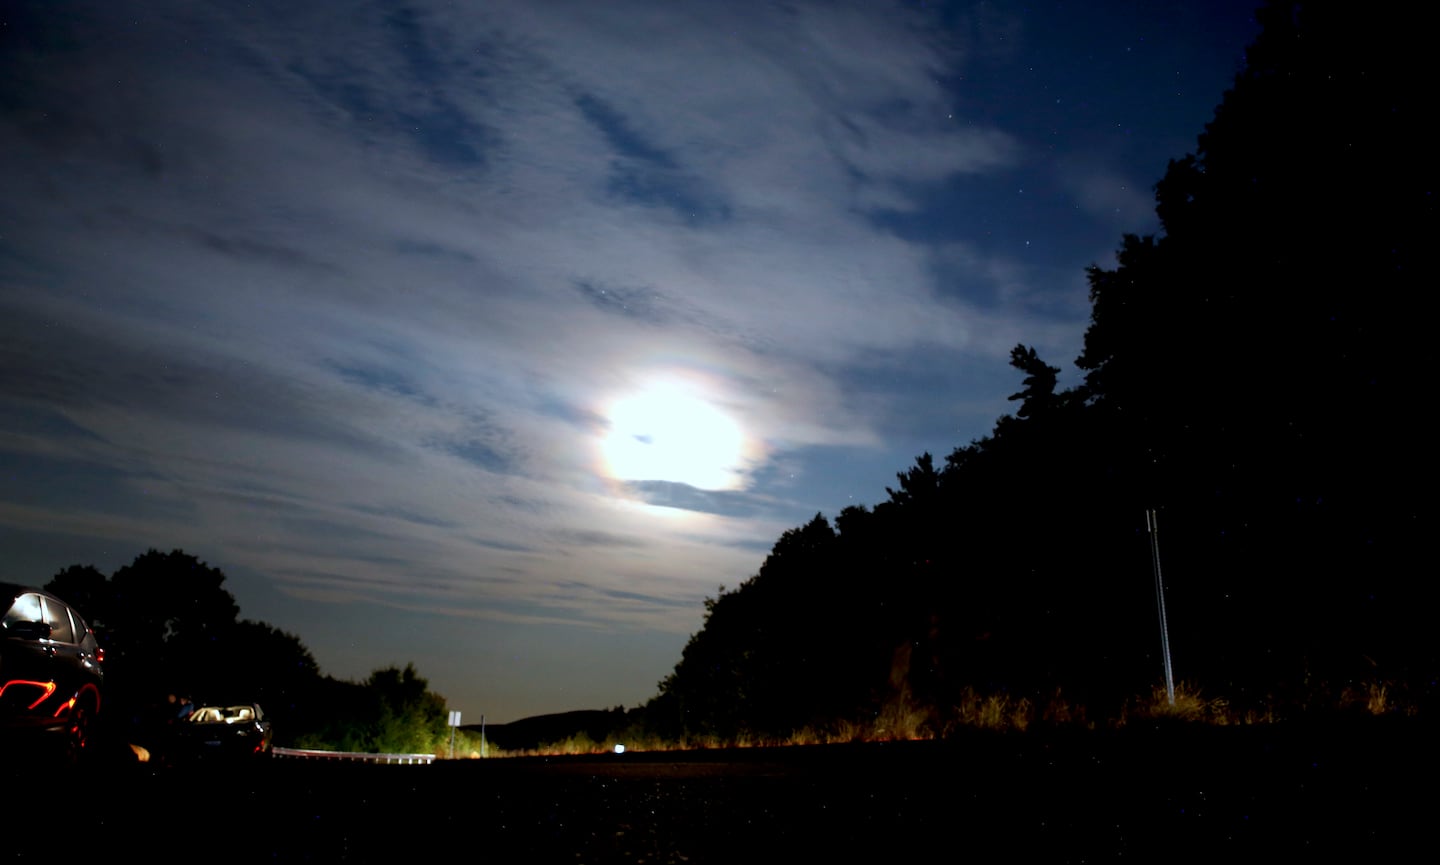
column 494, row 336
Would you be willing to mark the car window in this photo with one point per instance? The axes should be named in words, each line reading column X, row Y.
column 81, row 629
column 25, row 609
column 57, row 616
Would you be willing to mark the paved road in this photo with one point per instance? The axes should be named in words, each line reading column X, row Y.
column 1277, row 794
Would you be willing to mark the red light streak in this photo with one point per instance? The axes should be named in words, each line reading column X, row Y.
column 47, row 689
column 64, row 707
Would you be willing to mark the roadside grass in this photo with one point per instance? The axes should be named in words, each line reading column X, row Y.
column 902, row 718
column 1376, row 698
column 1189, row 705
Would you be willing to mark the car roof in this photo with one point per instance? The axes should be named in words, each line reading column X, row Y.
column 11, row 591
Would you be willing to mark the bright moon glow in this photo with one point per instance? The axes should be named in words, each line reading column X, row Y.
column 668, row 433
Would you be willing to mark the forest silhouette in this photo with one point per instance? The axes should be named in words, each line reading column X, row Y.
column 1254, row 374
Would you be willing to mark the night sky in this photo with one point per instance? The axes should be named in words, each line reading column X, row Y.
column 495, row 336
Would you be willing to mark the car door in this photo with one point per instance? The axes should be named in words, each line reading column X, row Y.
column 66, row 664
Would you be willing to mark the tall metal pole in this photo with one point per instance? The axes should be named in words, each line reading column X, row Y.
column 1152, row 525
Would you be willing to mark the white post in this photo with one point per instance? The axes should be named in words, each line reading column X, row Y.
column 454, row 722
column 1152, row 524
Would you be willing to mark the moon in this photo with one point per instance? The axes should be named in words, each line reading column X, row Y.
column 671, row 432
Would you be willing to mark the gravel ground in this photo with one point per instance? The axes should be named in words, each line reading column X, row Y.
column 1277, row 793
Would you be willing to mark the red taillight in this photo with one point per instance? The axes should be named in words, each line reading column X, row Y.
column 99, row 655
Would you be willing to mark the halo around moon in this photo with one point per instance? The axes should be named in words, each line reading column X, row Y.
column 671, row 431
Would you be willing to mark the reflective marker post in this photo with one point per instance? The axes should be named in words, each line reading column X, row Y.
column 1152, row 525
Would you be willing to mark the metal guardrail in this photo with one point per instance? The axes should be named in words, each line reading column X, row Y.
column 309, row 754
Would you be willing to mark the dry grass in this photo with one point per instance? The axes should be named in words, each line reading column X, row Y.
column 1059, row 712
column 1190, row 706
column 1371, row 697
column 991, row 712
column 1377, row 698
column 903, row 718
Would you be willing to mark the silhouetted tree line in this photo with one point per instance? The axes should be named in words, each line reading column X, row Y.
column 1256, row 373
column 170, row 629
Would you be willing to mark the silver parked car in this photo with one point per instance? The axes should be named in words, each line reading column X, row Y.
column 50, row 675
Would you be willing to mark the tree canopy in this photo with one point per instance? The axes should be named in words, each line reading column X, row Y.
column 1252, row 373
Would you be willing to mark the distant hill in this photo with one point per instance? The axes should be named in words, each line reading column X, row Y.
column 528, row 733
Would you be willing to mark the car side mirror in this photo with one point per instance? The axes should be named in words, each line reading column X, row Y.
column 28, row 630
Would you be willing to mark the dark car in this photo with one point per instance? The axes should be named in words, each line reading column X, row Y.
column 50, row 675
column 240, row 730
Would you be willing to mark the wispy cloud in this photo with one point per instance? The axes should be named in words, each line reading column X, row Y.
column 397, row 259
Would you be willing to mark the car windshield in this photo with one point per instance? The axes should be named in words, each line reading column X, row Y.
column 222, row 714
